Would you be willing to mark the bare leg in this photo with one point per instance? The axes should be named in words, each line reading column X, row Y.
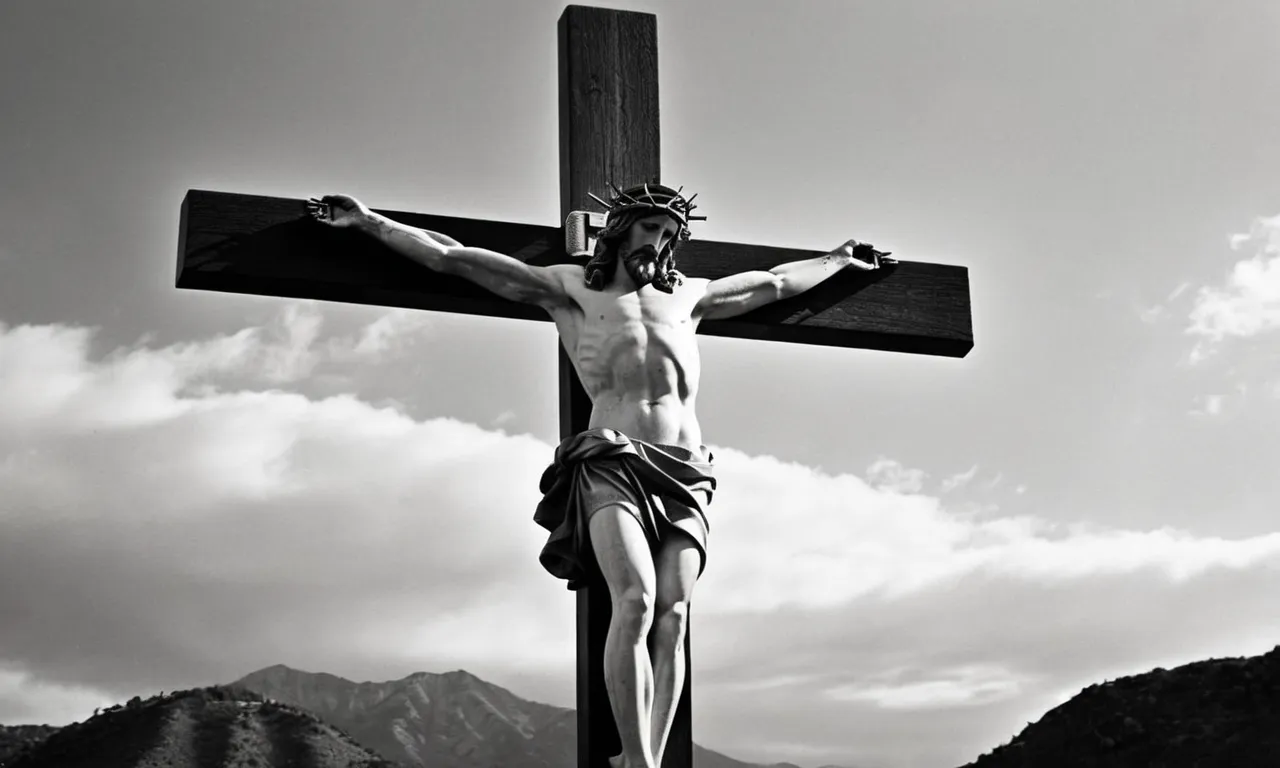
column 677, row 565
column 623, row 554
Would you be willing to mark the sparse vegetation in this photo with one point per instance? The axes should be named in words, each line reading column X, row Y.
column 1219, row 713
column 214, row 727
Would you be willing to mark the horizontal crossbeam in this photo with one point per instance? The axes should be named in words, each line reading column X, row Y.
column 268, row 246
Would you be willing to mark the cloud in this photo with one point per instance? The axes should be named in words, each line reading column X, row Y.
column 1248, row 303
column 1220, row 405
column 1176, row 292
column 140, row 511
column 966, row 685
column 389, row 333
column 891, row 475
column 959, row 480
column 158, row 534
column 1207, row 405
column 1153, row 314
column 26, row 700
column 1156, row 313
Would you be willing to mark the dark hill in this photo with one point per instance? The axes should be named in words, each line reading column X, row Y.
column 212, row 727
column 15, row 738
column 1219, row 713
column 451, row 720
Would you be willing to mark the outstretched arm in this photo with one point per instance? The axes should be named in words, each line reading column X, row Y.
column 507, row 277
column 741, row 293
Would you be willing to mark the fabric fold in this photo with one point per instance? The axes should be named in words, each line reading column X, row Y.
column 666, row 487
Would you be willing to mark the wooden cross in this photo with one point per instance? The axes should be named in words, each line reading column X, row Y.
column 608, row 133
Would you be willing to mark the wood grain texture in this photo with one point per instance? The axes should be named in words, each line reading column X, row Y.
column 267, row 246
column 609, row 129
column 608, row 96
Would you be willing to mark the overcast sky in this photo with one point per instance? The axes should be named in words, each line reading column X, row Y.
column 911, row 557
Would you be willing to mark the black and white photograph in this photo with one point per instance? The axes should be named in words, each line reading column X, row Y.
column 641, row 384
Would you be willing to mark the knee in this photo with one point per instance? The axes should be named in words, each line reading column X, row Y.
column 634, row 610
column 672, row 621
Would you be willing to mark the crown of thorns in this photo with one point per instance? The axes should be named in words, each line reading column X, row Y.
column 660, row 198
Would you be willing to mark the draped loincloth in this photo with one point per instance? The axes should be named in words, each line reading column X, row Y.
column 666, row 487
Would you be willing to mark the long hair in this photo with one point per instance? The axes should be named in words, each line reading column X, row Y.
column 609, row 242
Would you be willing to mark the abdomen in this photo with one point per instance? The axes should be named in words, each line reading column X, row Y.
column 642, row 381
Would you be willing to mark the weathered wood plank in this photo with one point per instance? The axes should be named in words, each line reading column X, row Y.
column 267, row 246
column 609, row 131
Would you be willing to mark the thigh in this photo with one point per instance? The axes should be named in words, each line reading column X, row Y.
column 677, row 565
column 622, row 551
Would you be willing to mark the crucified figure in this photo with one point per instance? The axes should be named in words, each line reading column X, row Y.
column 626, row 500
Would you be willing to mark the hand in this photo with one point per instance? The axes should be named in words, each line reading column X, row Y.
column 338, row 210
column 865, row 256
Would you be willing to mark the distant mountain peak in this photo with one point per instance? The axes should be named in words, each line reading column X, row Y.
column 284, row 670
column 446, row 720
column 452, row 719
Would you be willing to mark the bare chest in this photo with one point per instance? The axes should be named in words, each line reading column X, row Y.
column 638, row 344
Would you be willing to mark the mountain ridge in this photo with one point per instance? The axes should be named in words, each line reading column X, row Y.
column 437, row 719
column 1216, row 712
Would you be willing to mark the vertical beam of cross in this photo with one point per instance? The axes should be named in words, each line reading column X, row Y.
column 608, row 133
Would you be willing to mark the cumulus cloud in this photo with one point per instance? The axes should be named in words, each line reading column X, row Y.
column 158, row 532
column 504, row 418
column 888, row 474
column 1247, row 304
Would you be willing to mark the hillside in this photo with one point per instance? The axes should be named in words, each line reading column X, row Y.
column 1208, row 714
column 318, row 720
column 201, row 728
column 450, row 720
column 1218, row 713
column 15, row 738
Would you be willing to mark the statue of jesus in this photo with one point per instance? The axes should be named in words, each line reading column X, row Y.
column 626, row 500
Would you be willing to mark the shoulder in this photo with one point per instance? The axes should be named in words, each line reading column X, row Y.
column 570, row 276
column 567, row 270
column 694, row 287
column 568, row 279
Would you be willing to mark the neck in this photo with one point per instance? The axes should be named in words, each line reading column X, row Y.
column 622, row 278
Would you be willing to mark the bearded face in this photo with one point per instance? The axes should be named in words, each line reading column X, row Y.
column 644, row 264
column 641, row 264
